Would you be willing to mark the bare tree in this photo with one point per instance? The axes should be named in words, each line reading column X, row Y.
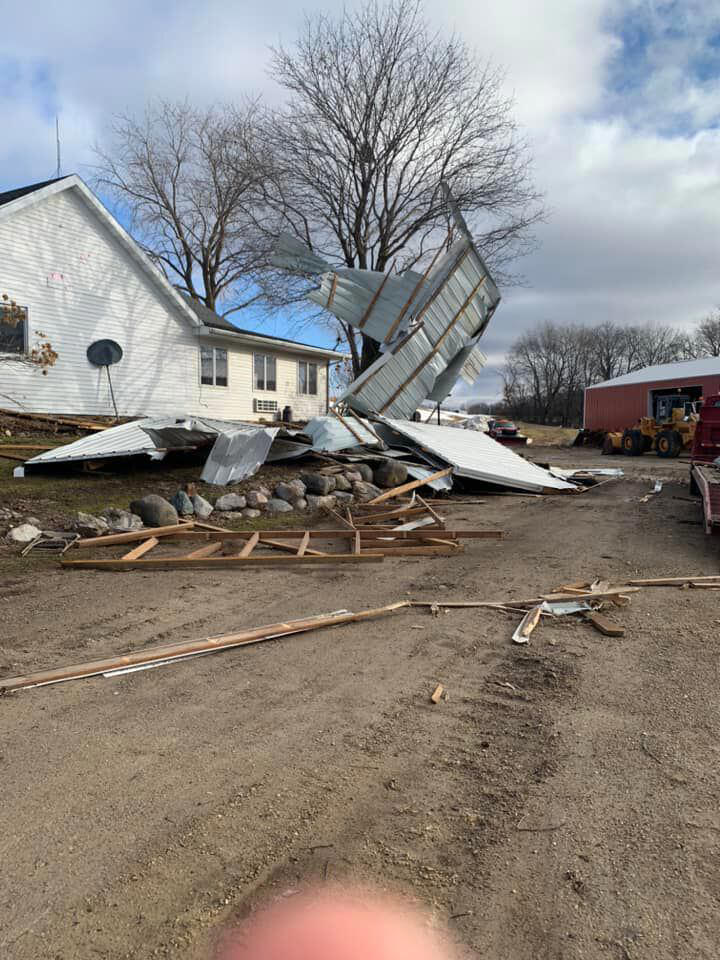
column 192, row 180
column 381, row 110
column 707, row 337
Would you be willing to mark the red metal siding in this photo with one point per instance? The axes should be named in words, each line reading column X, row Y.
column 615, row 408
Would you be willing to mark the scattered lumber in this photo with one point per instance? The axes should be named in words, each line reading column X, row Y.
column 603, row 625
column 674, row 581
column 175, row 651
column 211, row 563
column 407, row 487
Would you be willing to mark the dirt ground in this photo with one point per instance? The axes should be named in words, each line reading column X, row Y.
column 561, row 803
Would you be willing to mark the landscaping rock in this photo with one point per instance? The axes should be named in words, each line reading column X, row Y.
column 250, row 514
column 365, row 471
column 24, row 533
column 275, row 505
column 6, row 514
column 343, row 498
column 232, row 516
column 316, row 503
column 352, row 476
column 390, row 473
column 231, row 501
column 121, row 521
column 365, row 491
column 318, row 484
column 290, row 491
column 264, row 491
column 183, row 504
column 256, row 500
column 155, row 511
column 300, row 504
column 33, row 521
column 202, row 507
column 342, row 483
column 89, row 526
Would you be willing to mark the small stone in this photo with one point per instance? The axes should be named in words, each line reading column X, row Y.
column 390, row 473
column 318, row 484
column 300, row 504
column 155, row 511
column 364, row 491
column 183, row 504
column 365, row 471
column 316, row 503
column 290, row 491
column 250, row 514
column 233, row 516
column 24, row 533
column 89, row 526
column 276, row 505
column 202, row 507
column 256, row 500
column 342, row 483
column 231, row 501
column 121, row 521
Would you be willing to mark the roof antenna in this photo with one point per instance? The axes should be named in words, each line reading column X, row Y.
column 57, row 145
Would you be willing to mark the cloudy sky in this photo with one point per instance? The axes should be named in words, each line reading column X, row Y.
column 620, row 101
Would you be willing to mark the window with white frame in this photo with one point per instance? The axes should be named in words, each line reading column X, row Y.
column 13, row 328
column 307, row 377
column 213, row 366
column 264, row 372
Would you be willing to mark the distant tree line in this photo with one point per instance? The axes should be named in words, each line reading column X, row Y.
column 548, row 368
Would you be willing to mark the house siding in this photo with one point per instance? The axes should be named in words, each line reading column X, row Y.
column 80, row 284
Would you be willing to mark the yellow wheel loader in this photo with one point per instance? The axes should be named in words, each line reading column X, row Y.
column 668, row 438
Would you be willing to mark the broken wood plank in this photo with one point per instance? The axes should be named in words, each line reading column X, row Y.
column 133, row 536
column 347, row 426
column 437, row 693
column 207, row 551
column 145, row 547
column 436, row 516
column 527, row 625
column 603, row 625
column 399, row 550
column 250, row 545
column 672, row 581
column 219, row 563
column 191, row 648
column 303, row 544
column 291, row 548
column 357, row 544
column 412, row 485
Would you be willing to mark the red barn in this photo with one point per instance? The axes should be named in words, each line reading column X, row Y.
column 619, row 403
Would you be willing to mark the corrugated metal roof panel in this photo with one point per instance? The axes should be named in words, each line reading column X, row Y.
column 329, row 434
column 480, row 457
column 703, row 367
column 238, row 453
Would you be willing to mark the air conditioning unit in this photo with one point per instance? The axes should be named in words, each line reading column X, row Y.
column 264, row 406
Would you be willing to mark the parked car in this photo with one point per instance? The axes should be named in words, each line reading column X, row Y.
column 502, row 428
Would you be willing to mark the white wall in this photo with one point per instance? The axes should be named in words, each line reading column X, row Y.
column 235, row 402
column 79, row 285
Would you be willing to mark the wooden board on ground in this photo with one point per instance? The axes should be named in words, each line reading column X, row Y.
column 603, row 625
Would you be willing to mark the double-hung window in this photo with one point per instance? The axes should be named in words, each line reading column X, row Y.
column 13, row 328
column 264, row 372
column 213, row 366
column 307, row 377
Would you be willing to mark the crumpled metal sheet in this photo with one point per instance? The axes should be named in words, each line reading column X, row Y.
column 237, row 454
column 329, row 434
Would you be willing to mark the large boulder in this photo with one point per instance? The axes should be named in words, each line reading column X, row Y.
column 121, row 521
column 365, row 471
column 24, row 533
column 390, row 473
column 202, row 507
column 256, row 500
column 318, row 484
column 183, row 504
column 316, row 504
column 342, row 483
column 363, row 491
column 230, row 501
column 88, row 525
column 276, row 505
column 290, row 491
column 155, row 511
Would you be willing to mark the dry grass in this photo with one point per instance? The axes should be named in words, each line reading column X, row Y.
column 547, row 436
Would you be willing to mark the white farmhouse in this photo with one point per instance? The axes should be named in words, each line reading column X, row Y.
column 79, row 277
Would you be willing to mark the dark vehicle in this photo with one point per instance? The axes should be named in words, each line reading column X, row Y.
column 502, row 428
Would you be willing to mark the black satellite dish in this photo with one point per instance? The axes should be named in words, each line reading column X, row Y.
column 103, row 353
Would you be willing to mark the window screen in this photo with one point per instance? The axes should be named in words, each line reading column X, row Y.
column 13, row 328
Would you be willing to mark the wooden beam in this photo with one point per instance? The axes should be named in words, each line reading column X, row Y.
column 672, row 581
column 406, row 550
column 366, row 316
column 218, row 563
column 347, row 426
column 333, row 288
column 171, row 651
column 398, row 320
column 357, row 546
column 141, row 549
column 291, row 548
column 438, row 519
column 303, row 544
column 207, row 551
column 412, row 485
column 250, row 545
column 134, row 536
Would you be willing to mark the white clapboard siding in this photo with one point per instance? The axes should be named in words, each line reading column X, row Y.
column 79, row 285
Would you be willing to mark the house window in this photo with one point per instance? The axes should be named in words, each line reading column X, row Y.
column 213, row 366
column 307, row 377
column 13, row 328
column 265, row 377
